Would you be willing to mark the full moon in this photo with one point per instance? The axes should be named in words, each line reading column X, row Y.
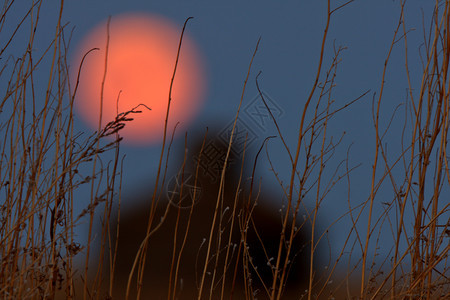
column 141, row 57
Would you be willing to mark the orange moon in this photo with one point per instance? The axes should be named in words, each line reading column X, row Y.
column 140, row 63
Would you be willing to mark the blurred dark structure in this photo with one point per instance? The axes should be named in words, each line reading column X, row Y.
column 266, row 217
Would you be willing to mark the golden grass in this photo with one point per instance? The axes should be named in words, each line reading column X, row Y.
column 44, row 163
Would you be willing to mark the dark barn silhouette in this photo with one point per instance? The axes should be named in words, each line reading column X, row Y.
column 263, row 244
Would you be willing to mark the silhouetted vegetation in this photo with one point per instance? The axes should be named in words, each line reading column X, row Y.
column 223, row 240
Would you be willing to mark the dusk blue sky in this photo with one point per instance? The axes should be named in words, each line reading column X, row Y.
column 291, row 33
